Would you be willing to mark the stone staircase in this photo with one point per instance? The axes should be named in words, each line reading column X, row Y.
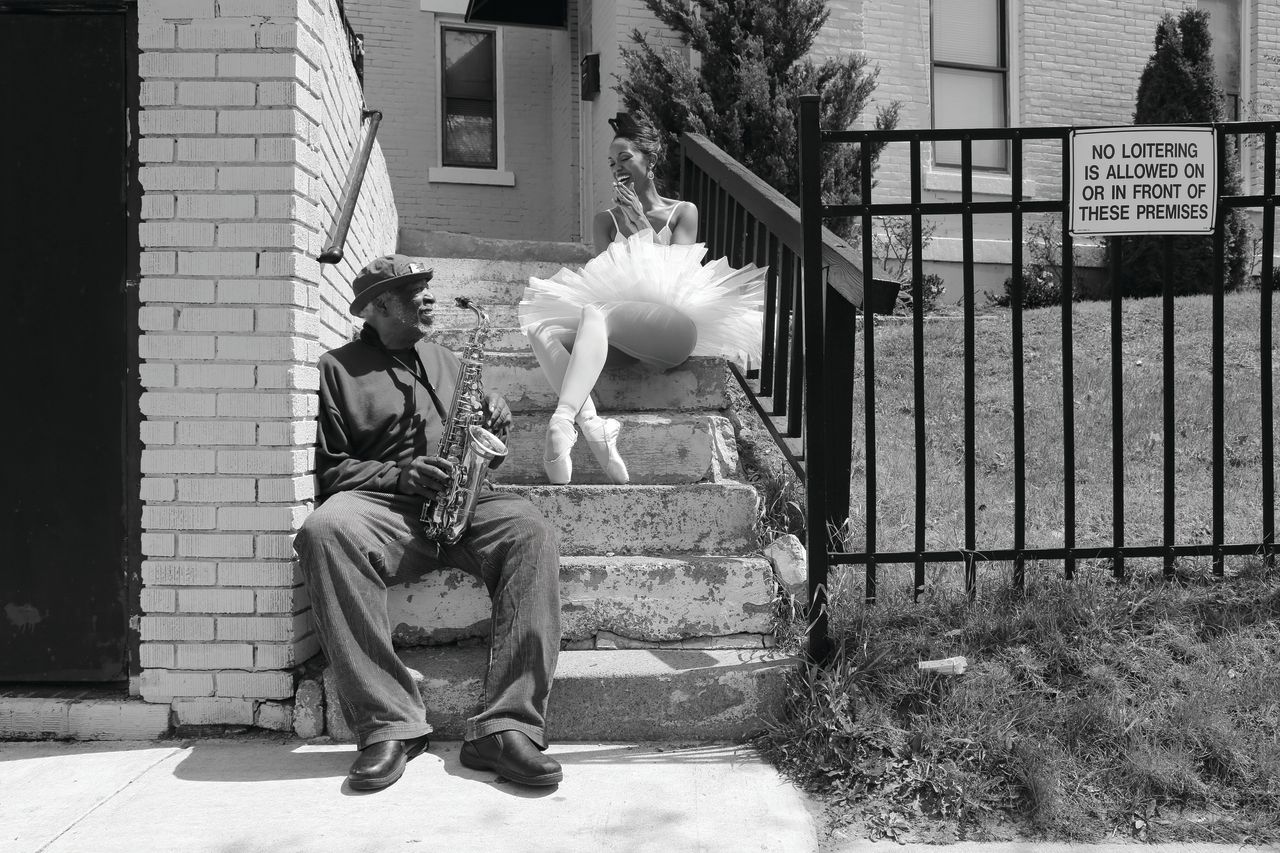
column 667, row 607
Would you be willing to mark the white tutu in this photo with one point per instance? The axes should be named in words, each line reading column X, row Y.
column 725, row 304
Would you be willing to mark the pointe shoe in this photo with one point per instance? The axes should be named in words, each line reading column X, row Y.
column 561, row 436
column 602, row 439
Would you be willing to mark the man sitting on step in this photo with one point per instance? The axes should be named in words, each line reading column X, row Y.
column 383, row 402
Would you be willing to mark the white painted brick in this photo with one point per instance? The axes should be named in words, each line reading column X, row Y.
column 263, row 461
column 296, row 433
column 266, row 8
column 175, row 65
column 214, row 655
column 261, row 348
column 178, row 177
column 155, row 150
column 175, row 122
column 215, row 206
column 277, row 629
column 285, row 320
column 216, row 600
column 215, row 545
column 175, row 9
column 156, row 319
column 265, row 234
column 177, row 290
column 291, row 94
column 156, row 206
column 175, row 517
column 203, row 93
column 159, row 600
column 155, row 36
column 289, row 264
column 216, row 432
column 282, row 600
column 286, row 489
column 260, row 122
column 176, row 233
column 273, row 546
column 260, row 518
column 178, row 461
column 177, row 347
column 220, row 33
column 259, row 574
column 259, row 291
column 158, row 545
column 216, row 375
column 216, row 320
column 192, row 628
column 265, row 404
column 156, row 655
column 216, row 150
column 157, row 433
column 285, row 656
column 162, row 685
column 281, row 149
column 258, row 685
column 261, row 178
column 217, row 263
column 213, row 711
column 263, row 66
column 288, row 376
column 177, row 404
column 216, row 490
column 287, row 206
column 157, row 489
column 179, row 573
column 158, row 263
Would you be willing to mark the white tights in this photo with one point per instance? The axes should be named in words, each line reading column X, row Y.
column 573, row 374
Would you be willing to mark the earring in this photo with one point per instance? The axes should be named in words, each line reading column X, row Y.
column 650, row 175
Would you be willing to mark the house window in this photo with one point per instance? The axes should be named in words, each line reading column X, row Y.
column 469, row 97
column 1224, row 30
column 970, row 77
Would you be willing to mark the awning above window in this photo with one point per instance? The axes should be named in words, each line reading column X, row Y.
column 529, row 13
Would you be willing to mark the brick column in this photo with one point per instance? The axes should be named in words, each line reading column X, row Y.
column 236, row 310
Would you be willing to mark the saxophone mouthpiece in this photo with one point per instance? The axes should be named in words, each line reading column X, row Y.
column 462, row 301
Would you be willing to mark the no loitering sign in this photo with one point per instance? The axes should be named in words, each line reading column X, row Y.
column 1150, row 180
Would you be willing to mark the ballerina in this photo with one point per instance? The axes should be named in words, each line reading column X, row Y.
column 646, row 295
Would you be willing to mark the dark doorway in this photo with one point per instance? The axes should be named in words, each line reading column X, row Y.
column 65, row 165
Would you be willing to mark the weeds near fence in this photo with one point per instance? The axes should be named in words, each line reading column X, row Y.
column 1145, row 710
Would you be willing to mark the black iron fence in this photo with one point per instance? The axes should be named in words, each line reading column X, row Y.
column 828, row 322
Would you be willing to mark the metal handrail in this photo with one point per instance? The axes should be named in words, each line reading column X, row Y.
column 351, row 191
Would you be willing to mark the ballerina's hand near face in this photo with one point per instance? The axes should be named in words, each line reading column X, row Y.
column 624, row 195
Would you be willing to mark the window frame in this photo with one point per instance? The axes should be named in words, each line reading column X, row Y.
column 496, row 175
column 1004, row 69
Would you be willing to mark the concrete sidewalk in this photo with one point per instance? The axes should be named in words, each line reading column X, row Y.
column 262, row 794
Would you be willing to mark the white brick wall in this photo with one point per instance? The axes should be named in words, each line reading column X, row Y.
column 251, row 114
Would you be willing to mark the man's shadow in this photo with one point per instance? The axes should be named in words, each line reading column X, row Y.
column 263, row 760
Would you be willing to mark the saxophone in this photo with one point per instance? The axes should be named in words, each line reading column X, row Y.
column 465, row 443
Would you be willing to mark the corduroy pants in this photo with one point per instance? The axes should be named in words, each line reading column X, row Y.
column 357, row 543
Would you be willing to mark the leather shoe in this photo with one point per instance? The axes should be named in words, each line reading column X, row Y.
column 513, row 756
column 381, row 764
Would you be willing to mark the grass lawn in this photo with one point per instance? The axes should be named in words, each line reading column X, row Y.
column 1143, row 428
column 1091, row 709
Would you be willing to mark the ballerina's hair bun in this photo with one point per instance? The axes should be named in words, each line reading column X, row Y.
column 637, row 128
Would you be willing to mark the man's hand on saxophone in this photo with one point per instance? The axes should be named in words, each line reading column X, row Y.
column 497, row 415
column 426, row 476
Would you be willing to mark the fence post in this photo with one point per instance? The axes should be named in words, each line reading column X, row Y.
column 814, row 439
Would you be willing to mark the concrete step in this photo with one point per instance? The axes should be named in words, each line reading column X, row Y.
column 488, row 294
column 454, row 271
column 659, row 449
column 703, row 518
column 445, row 244
column 632, row 600
column 507, row 339
column 697, row 385
column 449, row 316
column 640, row 694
